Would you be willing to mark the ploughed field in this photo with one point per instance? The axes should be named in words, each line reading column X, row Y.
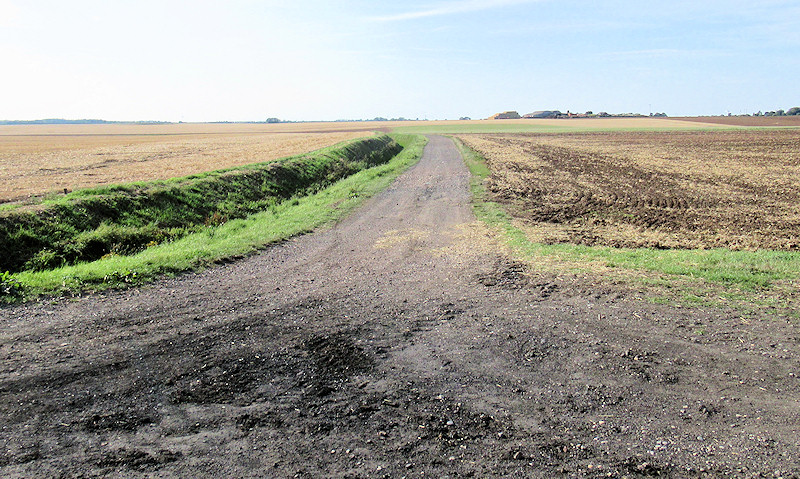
column 761, row 121
column 737, row 189
column 37, row 160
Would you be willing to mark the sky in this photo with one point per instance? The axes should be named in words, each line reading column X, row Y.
column 247, row 60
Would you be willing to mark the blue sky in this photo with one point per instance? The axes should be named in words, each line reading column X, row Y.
column 324, row 60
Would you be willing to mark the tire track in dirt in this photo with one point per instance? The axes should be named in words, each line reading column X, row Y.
column 400, row 342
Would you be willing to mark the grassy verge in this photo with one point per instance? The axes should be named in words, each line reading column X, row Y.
column 124, row 219
column 218, row 242
column 716, row 276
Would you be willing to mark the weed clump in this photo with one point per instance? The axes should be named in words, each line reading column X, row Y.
column 10, row 288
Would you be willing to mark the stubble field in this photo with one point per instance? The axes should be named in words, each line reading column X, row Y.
column 735, row 189
column 41, row 159
column 36, row 160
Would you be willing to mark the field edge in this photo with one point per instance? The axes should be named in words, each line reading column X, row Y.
column 216, row 244
column 748, row 281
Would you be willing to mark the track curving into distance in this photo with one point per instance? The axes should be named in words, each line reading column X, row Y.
column 403, row 341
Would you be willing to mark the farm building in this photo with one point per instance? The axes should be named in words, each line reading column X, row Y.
column 506, row 115
column 544, row 114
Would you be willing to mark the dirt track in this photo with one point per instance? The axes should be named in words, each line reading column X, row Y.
column 402, row 342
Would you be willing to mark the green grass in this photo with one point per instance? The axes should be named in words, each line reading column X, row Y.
column 740, row 274
column 750, row 270
column 232, row 239
column 123, row 219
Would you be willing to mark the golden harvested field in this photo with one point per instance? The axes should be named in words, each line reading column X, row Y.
column 40, row 159
column 737, row 189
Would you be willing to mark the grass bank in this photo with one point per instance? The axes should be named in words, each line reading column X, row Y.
column 696, row 276
column 123, row 219
column 225, row 231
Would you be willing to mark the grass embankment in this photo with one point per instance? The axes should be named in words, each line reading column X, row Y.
column 713, row 276
column 181, row 224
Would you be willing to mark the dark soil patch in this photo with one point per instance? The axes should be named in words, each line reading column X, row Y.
column 335, row 356
column 507, row 275
column 135, row 459
column 116, row 421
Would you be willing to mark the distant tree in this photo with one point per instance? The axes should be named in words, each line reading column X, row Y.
column 780, row 113
column 589, row 112
column 794, row 111
column 463, row 118
column 273, row 120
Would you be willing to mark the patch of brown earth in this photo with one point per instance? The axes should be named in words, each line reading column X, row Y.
column 732, row 189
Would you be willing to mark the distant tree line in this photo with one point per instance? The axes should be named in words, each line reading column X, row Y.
column 790, row 112
column 380, row 118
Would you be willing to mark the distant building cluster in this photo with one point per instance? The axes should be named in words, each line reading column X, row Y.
column 506, row 115
column 513, row 115
column 543, row 114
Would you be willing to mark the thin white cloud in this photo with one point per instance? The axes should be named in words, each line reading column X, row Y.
column 451, row 8
column 663, row 52
column 568, row 27
column 655, row 52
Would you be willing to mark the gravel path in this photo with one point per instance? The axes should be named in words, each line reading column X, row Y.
column 401, row 342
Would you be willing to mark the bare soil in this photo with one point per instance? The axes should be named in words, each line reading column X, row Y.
column 403, row 342
column 733, row 189
column 767, row 121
